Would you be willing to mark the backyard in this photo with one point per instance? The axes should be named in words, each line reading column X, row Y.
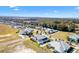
column 36, row 47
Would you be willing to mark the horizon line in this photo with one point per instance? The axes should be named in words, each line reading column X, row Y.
column 40, row 17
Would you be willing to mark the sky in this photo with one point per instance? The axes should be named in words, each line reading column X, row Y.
column 40, row 11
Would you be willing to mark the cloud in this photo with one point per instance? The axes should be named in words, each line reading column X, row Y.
column 78, row 16
column 12, row 6
column 55, row 11
column 77, row 8
column 15, row 9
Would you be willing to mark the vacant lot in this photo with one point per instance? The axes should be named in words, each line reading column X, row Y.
column 61, row 35
column 8, row 36
column 5, row 29
column 36, row 47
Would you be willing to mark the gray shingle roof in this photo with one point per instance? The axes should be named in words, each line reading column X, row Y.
column 74, row 37
column 40, row 39
column 59, row 46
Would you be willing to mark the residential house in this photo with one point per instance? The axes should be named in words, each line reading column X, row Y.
column 27, row 31
column 50, row 31
column 74, row 38
column 40, row 39
column 60, row 47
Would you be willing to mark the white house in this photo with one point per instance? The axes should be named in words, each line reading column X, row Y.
column 27, row 31
column 60, row 46
column 40, row 39
column 74, row 38
column 50, row 31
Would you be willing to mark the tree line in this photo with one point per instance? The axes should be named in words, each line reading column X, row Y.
column 61, row 25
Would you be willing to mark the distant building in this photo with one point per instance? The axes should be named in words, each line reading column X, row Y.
column 27, row 31
column 16, row 25
column 74, row 38
column 40, row 39
column 50, row 31
column 60, row 46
